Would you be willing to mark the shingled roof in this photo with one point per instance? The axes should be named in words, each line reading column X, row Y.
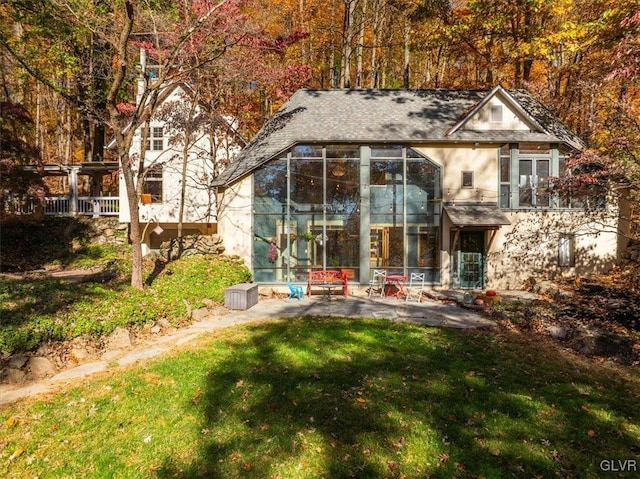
column 386, row 116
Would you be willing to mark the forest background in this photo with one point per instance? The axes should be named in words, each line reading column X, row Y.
column 70, row 68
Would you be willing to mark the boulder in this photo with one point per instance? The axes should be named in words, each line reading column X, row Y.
column 40, row 367
column 119, row 339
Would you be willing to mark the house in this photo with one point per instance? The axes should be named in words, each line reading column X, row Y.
column 453, row 183
column 185, row 143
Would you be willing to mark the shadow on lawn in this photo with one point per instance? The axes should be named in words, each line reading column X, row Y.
column 327, row 398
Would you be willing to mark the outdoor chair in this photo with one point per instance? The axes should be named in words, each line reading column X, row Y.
column 415, row 290
column 295, row 291
column 377, row 282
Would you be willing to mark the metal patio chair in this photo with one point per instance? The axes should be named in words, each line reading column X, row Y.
column 415, row 289
column 377, row 282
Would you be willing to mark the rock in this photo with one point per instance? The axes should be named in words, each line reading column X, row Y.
column 18, row 361
column 78, row 354
column 155, row 329
column 200, row 314
column 119, row 339
column 558, row 332
column 209, row 303
column 546, row 287
column 164, row 323
column 40, row 367
column 15, row 376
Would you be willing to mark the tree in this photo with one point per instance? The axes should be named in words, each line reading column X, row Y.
column 16, row 151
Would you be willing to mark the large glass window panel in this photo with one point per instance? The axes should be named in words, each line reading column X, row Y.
column 269, row 206
column 505, row 171
column 525, row 187
column 343, row 209
column 307, row 184
column 542, row 183
column 423, row 187
column 393, row 151
column 270, row 187
column 387, row 191
column 505, row 196
column 306, row 151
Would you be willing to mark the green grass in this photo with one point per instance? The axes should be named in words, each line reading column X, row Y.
column 333, row 398
column 42, row 309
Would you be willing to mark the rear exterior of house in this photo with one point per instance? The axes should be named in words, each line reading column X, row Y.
column 455, row 184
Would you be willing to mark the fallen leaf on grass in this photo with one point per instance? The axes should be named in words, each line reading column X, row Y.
column 12, row 421
column 17, row 453
column 591, row 433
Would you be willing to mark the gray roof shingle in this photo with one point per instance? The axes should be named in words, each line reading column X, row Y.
column 383, row 116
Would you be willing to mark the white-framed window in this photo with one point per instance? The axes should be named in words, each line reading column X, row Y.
column 155, row 139
column 467, row 179
column 566, row 251
column 534, row 182
column 152, row 185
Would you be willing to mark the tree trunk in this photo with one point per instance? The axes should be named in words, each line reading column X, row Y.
column 360, row 46
column 347, row 43
column 407, row 51
column 135, row 230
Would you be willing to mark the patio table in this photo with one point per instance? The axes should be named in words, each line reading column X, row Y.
column 330, row 286
column 396, row 281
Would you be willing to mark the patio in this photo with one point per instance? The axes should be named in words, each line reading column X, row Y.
column 429, row 312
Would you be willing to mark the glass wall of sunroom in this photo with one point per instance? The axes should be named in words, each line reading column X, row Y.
column 346, row 207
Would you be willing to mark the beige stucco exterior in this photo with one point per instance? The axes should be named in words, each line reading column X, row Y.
column 235, row 219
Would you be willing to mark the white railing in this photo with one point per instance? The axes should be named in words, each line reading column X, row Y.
column 63, row 205
column 98, row 205
column 56, row 205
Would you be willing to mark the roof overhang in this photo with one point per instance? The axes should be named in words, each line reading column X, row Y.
column 477, row 216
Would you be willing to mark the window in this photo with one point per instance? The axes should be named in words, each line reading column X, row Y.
column 155, row 139
column 152, row 185
column 467, row 179
column 534, row 182
column 566, row 250
column 505, row 177
column 496, row 113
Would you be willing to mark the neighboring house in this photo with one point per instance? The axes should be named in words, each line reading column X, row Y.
column 453, row 183
column 171, row 157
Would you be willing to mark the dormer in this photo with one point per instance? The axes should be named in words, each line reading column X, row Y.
column 498, row 111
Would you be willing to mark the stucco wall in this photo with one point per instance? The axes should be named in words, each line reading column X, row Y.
column 235, row 219
column 529, row 247
column 482, row 161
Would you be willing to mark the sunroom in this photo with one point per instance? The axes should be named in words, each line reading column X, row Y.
column 349, row 207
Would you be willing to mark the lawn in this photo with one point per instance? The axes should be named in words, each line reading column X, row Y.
column 313, row 397
column 40, row 309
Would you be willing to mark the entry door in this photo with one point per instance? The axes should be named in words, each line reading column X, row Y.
column 471, row 259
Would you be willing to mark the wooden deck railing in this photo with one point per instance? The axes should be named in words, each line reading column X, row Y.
column 63, row 205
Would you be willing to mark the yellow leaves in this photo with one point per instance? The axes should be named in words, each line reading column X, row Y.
column 16, row 454
column 196, row 396
column 11, row 422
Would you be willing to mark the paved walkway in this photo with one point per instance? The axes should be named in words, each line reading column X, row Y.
column 428, row 313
